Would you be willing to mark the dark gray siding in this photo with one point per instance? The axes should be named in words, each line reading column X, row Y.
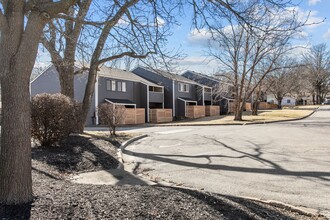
column 158, row 79
column 104, row 93
column 192, row 95
column 48, row 82
column 156, row 97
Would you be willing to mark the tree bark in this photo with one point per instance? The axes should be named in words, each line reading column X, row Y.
column 15, row 153
column 279, row 104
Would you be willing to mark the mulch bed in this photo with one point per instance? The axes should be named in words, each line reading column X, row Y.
column 78, row 154
column 57, row 198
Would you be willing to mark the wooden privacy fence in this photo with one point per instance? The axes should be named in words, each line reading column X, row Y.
column 134, row 116
column 212, row 110
column 262, row 106
column 160, row 115
column 195, row 111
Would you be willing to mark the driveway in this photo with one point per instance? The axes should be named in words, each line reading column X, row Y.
column 287, row 162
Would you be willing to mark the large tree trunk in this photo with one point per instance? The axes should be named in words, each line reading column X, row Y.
column 66, row 75
column 279, row 104
column 18, row 54
column 89, row 91
column 15, row 156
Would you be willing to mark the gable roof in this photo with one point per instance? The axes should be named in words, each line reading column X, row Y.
column 114, row 73
column 172, row 76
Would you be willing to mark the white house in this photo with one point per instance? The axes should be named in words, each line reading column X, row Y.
column 286, row 101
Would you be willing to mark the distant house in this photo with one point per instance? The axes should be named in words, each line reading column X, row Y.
column 222, row 98
column 179, row 92
column 113, row 86
column 286, row 101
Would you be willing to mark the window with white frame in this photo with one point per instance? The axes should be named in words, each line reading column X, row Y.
column 113, row 85
column 183, row 87
column 119, row 86
column 288, row 101
column 123, row 86
column 108, row 85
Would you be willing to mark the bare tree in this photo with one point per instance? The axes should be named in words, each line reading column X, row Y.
column 122, row 29
column 112, row 116
column 317, row 62
column 284, row 80
column 249, row 52
column 21, row 25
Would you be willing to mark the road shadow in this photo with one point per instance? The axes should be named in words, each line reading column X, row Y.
column 269, row 167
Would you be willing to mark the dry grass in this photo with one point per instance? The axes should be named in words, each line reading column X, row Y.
column 263, row 116
column 105, row 135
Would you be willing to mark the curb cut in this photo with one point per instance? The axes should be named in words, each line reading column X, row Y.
column 123, row 146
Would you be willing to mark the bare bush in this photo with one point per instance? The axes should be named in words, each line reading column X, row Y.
column 53, row 118
column 111, row 115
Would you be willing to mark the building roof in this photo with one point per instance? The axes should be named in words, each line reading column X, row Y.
column 120, row 101
column 173, row 76
column 123, row 75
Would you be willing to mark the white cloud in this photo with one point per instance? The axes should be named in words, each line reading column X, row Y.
column 199, row 37
column 310, row 17
column 326, row 35
column 313, row 2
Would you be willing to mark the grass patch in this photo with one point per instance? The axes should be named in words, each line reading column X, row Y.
column 263, row 116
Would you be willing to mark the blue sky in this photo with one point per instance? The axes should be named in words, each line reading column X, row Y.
column 194, row 45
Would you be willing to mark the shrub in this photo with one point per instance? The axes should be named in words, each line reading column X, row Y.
column 53, row 118
column 111, row 115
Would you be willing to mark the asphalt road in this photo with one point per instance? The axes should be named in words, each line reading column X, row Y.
column 287, row 162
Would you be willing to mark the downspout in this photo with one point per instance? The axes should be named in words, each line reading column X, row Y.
column 173, row 95
column 148, row 103
column 211, row 96
column 163, row 98
column 96, row 92
column 203, row 95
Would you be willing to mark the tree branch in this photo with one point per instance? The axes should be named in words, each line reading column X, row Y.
column 129, row 54
column 50, row 8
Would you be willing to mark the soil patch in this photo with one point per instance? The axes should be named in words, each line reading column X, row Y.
column 78, row 154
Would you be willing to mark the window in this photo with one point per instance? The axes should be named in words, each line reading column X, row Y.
column 113, row 85
column 288, row 101
column 123, row 87
column 108, row 85
column 183, row 87
column 119, row 86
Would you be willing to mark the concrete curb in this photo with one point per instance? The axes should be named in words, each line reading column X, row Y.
column 237, row 124
column 123, row 146
column 304, row 211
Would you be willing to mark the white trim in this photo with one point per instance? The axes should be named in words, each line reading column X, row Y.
column 187, row 100
column 45, row 70
column 115, row 103
column 173, row 98
column 96, row 97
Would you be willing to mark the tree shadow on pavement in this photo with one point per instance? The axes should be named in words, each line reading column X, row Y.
column 272, row 167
